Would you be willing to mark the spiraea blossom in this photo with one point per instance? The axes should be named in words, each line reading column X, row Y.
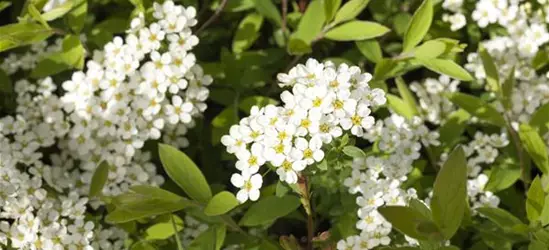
column 145, row 86
column 135, row 90
column 324, row 102
column 377, row 179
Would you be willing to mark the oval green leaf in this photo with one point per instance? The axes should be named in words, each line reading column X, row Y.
column 221, row 203
column 269, row 209
column 182, row 170
column 356, row 30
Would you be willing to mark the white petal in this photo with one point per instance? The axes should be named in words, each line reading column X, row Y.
column 237, row 180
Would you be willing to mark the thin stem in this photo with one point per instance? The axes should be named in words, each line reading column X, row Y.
column 176, row 235
column 284, row 16
column 306, row 202
column 214, row 16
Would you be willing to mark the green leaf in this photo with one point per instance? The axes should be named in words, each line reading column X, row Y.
column 535, row 146
column 544, row 217
column 164, row 228
column 223, row 122
column 182, row 170
column 540, row 119
column 99, row 179
column 311, row 23
column 143, row 202
column 4, row 5
column 404, row 219
column 370, row 49
column 446, row 67
column 537, row 245
column 400, row 107
column 502, row 177
column 407, row 95
column 5, row 82
column 350, row 10
column 211, row 239
column 297, row 46
column 354, row 152
column 58, row 11
column 419, row 25
column 356, row 30
column 260, row 101
column 72, row 56
column 500, row 217
column 400, row 23
column 143, row 245
column 430, row 49
column 269, row 10
column 535, row 200
column 268, row 209
column 35, row 14
column 492, row 75
column 21, row 34
column 330, row 8
column 221, row 203
column 454, row 126
column 507, row 89
column 449, row 193
column 420, row 207
column 77, row 16
column 138, row 4
column 281, row 189
column 541, row 59
column 73, row 51
column 247, row 32
column 478, row 108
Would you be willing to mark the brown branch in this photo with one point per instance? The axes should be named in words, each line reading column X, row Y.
column 284, row 16
column 216, row 14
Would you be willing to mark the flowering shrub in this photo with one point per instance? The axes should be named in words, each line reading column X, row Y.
column 274, row 124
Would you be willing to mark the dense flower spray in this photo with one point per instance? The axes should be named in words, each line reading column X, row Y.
column 136, row 89
column 324, row 101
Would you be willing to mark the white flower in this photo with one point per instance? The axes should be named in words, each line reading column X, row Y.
column 249, row 186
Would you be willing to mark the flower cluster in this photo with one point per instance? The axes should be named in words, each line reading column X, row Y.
column 377, row 179
column 136, row 89
column 325, row 100
column 433, row 105
column 39, row 205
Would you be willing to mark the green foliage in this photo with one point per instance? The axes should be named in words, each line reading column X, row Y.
column 356, row 30
column 478, row 108
column 419, row 25
column 269, row 209
column 449, row 194
column 221, row 203
column 182, row 170
column 99, row 179
column 534, row 145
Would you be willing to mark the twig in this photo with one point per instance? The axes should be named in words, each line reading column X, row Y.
column 214, row 16
column 306, row 202
column 284, row 16
column 176, row 234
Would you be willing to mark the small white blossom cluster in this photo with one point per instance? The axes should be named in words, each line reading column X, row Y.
column 324, row 101
column 131, row 92
column 135, row 90
column 433, row 105
column 14, row 62
column 378, row 179
column 39, row 207
column 457, row 19
column 193, row 228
